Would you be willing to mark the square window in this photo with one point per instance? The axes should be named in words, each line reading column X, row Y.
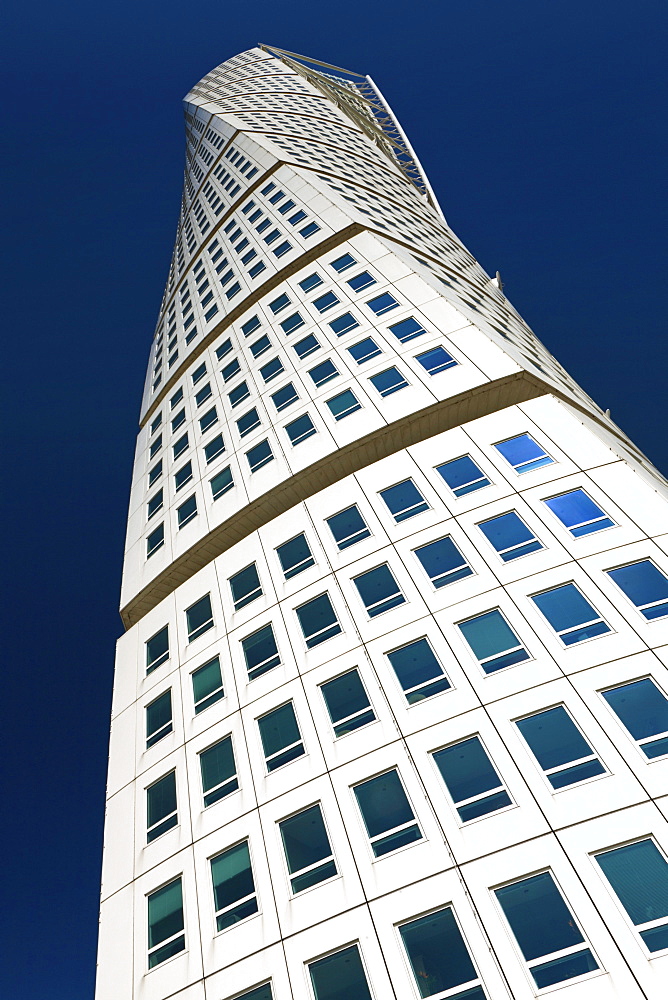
column 642, row 708
column 578, row 512
column 387, row 814
column 509, row 536
column 159, row 718
column 295, row 556
column 324, row 372
column 260, row 652
column 389, row 381
column 248, row 422
column 436, row 360
column 570, row 614
column 439, row 958
column 379, row 590
column 259, row 456
column 317, row 620
column 292, row 323
column 161, row 813
column 343, row 405
column 443, row 562
column 343, row 324
column 284, row 397
column 187, row 511
column 157, row 649
column 645, row 586
column 348, row 527
column 462, row 475
column 364, row 350
column 219, row 771
column 342, row 263
column 281, row 739
column 339, row 975
column 492, row 641
column 325, row 302
column 233, row 886
column 199, row 618
column 308, row 284
column 418, row 671
column 404, row 500
column 523, row 454
column 214, row 448
column 165, row 923
column 245, row 587
column 155, row 540
column 207, row 683
column 471, row 779
column 307, row 849
column 382, row 304
column 361, row 281
column 347, row 703
column 559, row 747
column 306, row 346
column 300, row 429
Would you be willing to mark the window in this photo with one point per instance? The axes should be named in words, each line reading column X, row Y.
column 207, row 685
column 155, row 540
column 155, row 447
column 248, row 422
column 523, row 454
column 436, row 360
column 250, row 326
column 234, row 894
column 306, row 346
column 161, row 814
column 309, row 230
column 155, row 423
column 219, row 772
column 471, row 779
column 509, row 536
column 229, row 371
column 203, row 394
column 342, row 263
column 382, row 303
column 348, row 527
column 492, row 641
column 579, row 513
column 347, row 703
column 439, row 958
column 292, row 323
column 238, row 394
column 418, row 671
column 407, row 329
column 462, row 475
column 260, row 992
column 154, row 473
column 260, row 652
column 339, row 975
column 318, row 620
column 224, row 349
column 443, row 562
column 307, row 849
column 571, row 616
column 387, row 814
column 297, row 217
column 404, row 500
column 281, row 739
column 187, row 511
column 259, row 456
column 643, row 709
column 176, row 399
column 545, row 928
column 221, row 483
column 184, row 474
column 208, row 420
column 157, row 649
column 343, row 405
column 272, row 369
column 300, row 429
column 343, row 324
column 559, row 747
column 638, row 873
column 199, row 618
column 280, row 303
column 645, row 586
column 159, row 718
column 295, row 556
column 180, row 446
column 361, row 281
column 165, row 923
column 245, row 586
column 260, row 346
column 323, row 372
column 379, row 590
column 284, row 397
column 310, row 283
column 389, row 381
column 364, row 350
column 199, row 373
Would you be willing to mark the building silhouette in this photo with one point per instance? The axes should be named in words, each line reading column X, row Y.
column 390, row 712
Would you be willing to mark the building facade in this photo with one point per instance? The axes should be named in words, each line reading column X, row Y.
column 390, row 714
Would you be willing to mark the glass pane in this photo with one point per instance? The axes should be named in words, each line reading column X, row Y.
column 642, row 582
column 206, row 680
column 462, row 475
column 340, row 977
column 656, row 938
column 318, row 620
column 348, row 527
column 217, row 763
column 300, row 429
column 199, row 617
column 159, row 713
column 278, row 729
column 575, row 508
column 305, row 839
column 260, row 651
column 157, row 648
column 383, row 803
column 489, row 634
column 284, row 396
column 161, row 799
column 407, row 329
column 344, row 696
column 415, row 663
column 364, row 350
column 554, row 738
column 443, row 562
column 165, row 913
column 378, row 590
column 232, row 876
column 509, row 532
column 295, row 556
column 404, row 500
column 437, row 953
column 259, row 993
column 565, row 607
column 521, row 450
column 639, row 875
column 245, row 586
column 343, row 405
column 560, row 969
column 538, row 916
column 466, row 769
column 641, row 706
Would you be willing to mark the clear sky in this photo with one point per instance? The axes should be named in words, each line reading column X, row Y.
column 540, row 126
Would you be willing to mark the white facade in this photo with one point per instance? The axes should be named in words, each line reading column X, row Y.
column 390, row 716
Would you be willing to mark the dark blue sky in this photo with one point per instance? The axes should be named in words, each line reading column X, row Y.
column 541, row 128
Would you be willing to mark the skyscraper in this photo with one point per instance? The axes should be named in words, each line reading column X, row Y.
column 390, row 714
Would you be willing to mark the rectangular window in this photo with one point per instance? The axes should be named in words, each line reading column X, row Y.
column 309, row 230
column 183, row 475
column 343, row 405
column 318, row 620
column 165, row 923
column 286, row 206
column 281, row 739
column 278, row 304
column 559, row 747
column 361, row 281
column 155, row 447
column 234, row 893
column 382, row 304
column 219, row 771
column 272, row 369
column 180, row 446
column 260, row 346
column 187, row 511
column 260, row 992
column 224, row 349
column 245, row 587
column 324, row 372
column 379, row 590
column 645, row 586
column 509, row 536
column 214, row 448
column 418, row 671
column 157, row 649
column 387, row 814
column 232, row 291
column 462, row 475
column 638, row 874
column 342, row 263
column 545, row 930
column 207, row 685
column 471, row 779
column 643, row 709
column 492, row 641
column 364, row 350
column 578, row 513
column 436, row 360
column 284, row 397
column 155, row 540
column 307, row 849
column 199, row 617
column 407, row 329
column 389, row 381
column 238, row 394
column 295, row 556
column 159, row 718
column 340, row 975
column 300, row 429
column 250, row 326
column 260, row 652
column 161, row 814
column 439, row 957
column 347, row 703
column 229, row 371
column 343, row 324
column 176, row 399
column 348, row 527
column 259, row 456
column 297, row 218
column 221, row 483
column 199, row 373
column 208, row 420
column 248, row 422
column 571, row 616
column 306, row 346
column 523, row 454
column 154, row 473
column 443, row 562
column 203, row 394
column 155, row 423
column 404, row 500
column 292, row 323
column 311, row 282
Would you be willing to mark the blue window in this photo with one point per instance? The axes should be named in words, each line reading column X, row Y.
column 389, row 381
column 260, row 992
column 339, row 975
column 325, row 302
column 245, row 586
column 250, row 326
column 471, row 779
column 382, row 303
column 492, row 641
column 259, row 267
column 645, row 586
column 207, row 685
column 509, row 535
column 307, row 849
column 418, row 671
column 199, row 618
column 579, row 513
column 229, row 371
column 155, row 473
column 260, row 346
column 436, row 360
column 203, row 394
column 280, row 303
column 361, row 281
column 155, row 447
column 155, row 540
column 157, row 649
column 159, row 718
column 571, row 616
column 523, row 453
column 348, row 527
column 214, row 448
column 443, row 562
column 284, row 397
column 181, row 445
column 324, row 372
column 343, row 405
column 219, row 771
column 185, row 473
column 545, row 930
column 248, row 422
column 233, row 886
column 154, row 505
column 176, row 398
column 272, row 369
column 300, row 429
column 638, row 873
column 208, row 420
column 559, row 747
column 238, row 394
column 379, row 590
column 342, row 263
column 343, row 324
column 404, row 500
column 224, row 349
column 306, row 346
column 281, row 249
column 187, row 511
column 161, row 813
column 439, row 958
column 259, row 456
column 260, row 652
column 643, row 709
column 281, row 739
column 347, row 703
column 297, row 218
column 292, row 323
column 165, row 923
column 407, row 329
column 295, row 556
column 309, row 230
column 178, row 420
column 221, row 483
column 286, row 206
column 199, row 373
column 308, row 284
column 387, row 814
column 317, row 620
column 364, row 350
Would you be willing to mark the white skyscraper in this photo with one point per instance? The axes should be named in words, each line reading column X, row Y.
column 390, row 715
